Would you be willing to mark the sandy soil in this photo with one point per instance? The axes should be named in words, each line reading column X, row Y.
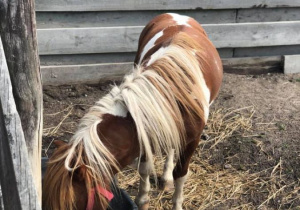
column 273, row 101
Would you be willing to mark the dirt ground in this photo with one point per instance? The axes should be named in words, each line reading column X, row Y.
column 263, row 148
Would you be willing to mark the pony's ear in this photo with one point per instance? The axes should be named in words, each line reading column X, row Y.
column 59, row 143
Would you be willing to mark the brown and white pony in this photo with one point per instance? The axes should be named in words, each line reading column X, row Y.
column 160, row 108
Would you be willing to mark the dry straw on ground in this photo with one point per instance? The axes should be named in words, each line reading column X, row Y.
column 213, row 186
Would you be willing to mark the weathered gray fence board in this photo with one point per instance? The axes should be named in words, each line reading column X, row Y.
column 50, row 60
column 267, row 15
column 88, row 40
column 254, row 34
column 267, row 51
column 89, row 74
column 126, row 18
column 253, row 65
column 19, row 39
column 1, row 199
column 124, row 39
column 95, row 73
column 120, row 5
column 291, row 64
column 78, row 59
column 18, row 188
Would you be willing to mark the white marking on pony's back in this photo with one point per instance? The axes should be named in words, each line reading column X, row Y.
column 157, row 55
column 206, row 95
column 180, row 19
column 205, row 89
column 150, row 44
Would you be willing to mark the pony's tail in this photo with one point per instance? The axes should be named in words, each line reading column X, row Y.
column 155, row 111
column 161, row 95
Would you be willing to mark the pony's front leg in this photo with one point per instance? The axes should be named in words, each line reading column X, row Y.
column 167, row 177
column 180, row 173
column 142, row 199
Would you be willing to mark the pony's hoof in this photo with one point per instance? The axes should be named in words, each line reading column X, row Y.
column 205, row 137
column 142, row 202
column 144, row 206
column 167, row 185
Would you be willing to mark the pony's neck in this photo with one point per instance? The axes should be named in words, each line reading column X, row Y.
column 117, row 129
column 119, row 135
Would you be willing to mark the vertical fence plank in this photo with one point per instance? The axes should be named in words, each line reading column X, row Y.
column 1, row 200
column 18, row 187
column 18, row 33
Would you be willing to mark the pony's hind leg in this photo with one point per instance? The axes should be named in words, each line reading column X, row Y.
column 142, row 199
column 180, row 173
column 167, row 182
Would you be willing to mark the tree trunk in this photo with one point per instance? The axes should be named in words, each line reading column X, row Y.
column 18, row 33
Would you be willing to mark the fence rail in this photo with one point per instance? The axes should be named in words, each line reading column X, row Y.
column 125, row 39
column 96, row 73
column 78, row 39
column 121, row 5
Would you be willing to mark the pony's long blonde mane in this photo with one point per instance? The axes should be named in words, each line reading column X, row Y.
column 155, row 96
column 58, row 190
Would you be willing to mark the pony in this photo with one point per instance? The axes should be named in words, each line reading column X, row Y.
column 160, row 108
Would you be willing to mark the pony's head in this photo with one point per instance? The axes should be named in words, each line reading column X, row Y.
column 76, row 189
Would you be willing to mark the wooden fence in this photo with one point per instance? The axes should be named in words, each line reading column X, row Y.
column 20, row 107
column 1, row 200
column 17, row 183
column 86, row 41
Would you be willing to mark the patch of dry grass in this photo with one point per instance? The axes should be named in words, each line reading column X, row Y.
column 213, row 187
column 223, row 123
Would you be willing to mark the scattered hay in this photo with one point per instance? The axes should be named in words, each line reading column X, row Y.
column 223, row 123
column 51, row 131
column 60, row 120
column 209, row 187
column 213, row 186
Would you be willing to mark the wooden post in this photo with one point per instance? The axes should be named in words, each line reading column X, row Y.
column 17, row 181
column 18, row 33
column 1, row 199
